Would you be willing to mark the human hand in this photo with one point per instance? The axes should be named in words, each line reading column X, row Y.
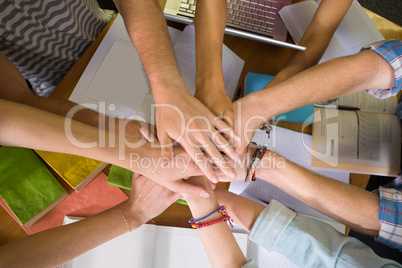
column 170, row 172
column 218, row 103
column 267, row 168
column 181, row 117
column 147, row 200
column 247, row 120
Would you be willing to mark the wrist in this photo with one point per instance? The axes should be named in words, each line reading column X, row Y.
column 133, row 154
column 132, row 217
column 201, row 206
column 251, row 115
column 272, row 168
column 204, row 85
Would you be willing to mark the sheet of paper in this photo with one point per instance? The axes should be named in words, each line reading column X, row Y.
column 119, row 252
column 297, row 18
column 184, row 48
column 151, row 246
column 114, row 82
column 182, row 247
column 355, row 30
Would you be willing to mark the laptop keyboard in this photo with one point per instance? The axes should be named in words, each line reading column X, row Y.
column 256, row 16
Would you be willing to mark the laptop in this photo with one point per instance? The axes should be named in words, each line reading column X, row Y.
column 252, row 19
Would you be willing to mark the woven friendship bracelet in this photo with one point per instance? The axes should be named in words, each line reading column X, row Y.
column 221, row 209
column 124, row 218
column 209, row 223
column 195, row 223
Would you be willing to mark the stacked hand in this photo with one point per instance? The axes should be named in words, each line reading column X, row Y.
column 182, row 118
column 147, row 200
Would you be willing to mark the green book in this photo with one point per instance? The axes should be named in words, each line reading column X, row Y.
column 27, row 186
column 121, row 177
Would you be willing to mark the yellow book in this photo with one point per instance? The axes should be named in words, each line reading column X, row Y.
column 77, row 171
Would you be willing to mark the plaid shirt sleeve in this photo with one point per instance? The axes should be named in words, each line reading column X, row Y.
column 390, row 216
column 391, row 51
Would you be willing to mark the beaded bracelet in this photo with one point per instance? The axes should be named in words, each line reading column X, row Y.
column 221, row 209
column 209, row 223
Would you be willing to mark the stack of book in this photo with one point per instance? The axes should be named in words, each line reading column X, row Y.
column 38, row 196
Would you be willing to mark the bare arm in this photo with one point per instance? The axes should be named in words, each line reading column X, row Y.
column 316, row 38
column 218, row 241
column 210, row 22
column 59, row 245
column 177, row 110
column 351, row 205
column 14, row 88
column 29, row 127
column 328, row 80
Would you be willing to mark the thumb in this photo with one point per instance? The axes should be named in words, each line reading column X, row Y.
column 147, row 135
column 166, row 145
column 189, row 189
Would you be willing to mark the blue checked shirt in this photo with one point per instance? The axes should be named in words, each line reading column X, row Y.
column 391, row 51
column 390, row 216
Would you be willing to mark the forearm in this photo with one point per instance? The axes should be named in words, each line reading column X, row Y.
column 210, row 22
column 243, row 211
column 353, row 206
column 148, row 31
column 59, row 245
column 29, row 127
column 14, row 88
column 316, row 38
column 221, row 247
column 331, row 79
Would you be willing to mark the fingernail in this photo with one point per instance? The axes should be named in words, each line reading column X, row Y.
column 215, row 179
column 204, row 194
column 236, row 137
column 232, row 174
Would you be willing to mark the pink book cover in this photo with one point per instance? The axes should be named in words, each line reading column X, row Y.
column 96, row 197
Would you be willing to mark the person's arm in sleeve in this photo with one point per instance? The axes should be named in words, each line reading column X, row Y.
column 325, row 81
column 305, row 241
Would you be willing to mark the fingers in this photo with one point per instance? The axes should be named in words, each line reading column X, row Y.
column 200, row 160
column 213, row 186
column 219, row 160
column 147, row 135
column 223, row 127
column 136, row 175
column 223, row 145
column 166, row 145
column 187, row 188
